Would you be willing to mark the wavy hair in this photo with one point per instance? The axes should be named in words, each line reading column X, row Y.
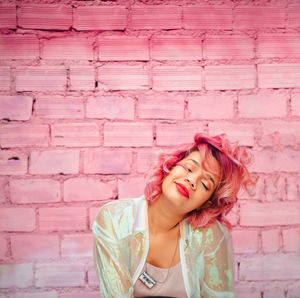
column 234, row 175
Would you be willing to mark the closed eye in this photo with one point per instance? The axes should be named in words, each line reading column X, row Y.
column 205, row 186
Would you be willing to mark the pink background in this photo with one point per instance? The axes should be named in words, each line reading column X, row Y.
column 91, row 91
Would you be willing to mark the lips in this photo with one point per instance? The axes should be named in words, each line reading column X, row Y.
column 182, row 189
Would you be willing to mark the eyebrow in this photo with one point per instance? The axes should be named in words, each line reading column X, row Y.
column 197, row 163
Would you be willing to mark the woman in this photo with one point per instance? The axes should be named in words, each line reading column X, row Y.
column 173, row 241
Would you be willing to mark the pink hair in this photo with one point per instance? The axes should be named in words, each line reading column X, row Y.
column 234, row 174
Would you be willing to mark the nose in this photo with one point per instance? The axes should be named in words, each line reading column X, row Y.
column 191, row 182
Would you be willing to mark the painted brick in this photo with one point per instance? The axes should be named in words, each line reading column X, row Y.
column 242, row 133
column 123, row 77
column 233, row 216
column 244, row 290
column 131, row 187
column 79, row 245
column 3, row 247
column 24, row 135
column 14, row 219
column 280, row 267
column 75, row 134
column 270, row 241
column 17, row 107
column 110, row 107
column 3, row 190
column 160, row 106
column 293, row 188
column 44, row 16
column 54, row 162
column 93, row 278
column 257, row 191
column 124, row 134
column 19, row 46
column 291, row 240
column 59, row 107
column 228, row 47
column 278, row 45
column 13, row 163
column 212, row 17
column 268, row 161
column 156, row 17
column 294, row 292
column 35, row 294
column 122, row 48
column 82, row 78
column 54, row 275
column 226, row 77
column 84, row 294
column 176, row 48
column 62, row 218
column 211, row 106
column 100, row 18
column 257, row 17
column 175, row 78
column 16, row 275
column 245, row 241
column 4, row 78
column 175, row 134
column 274, row 292
column 41, row 78
column 146, row 159
column 275, row 103
column 283, row 75
column 278, row 213
column 34, row 191
column 293, row 15
column 88, row 189
column 275, row 187
column 295, row 103
column 34, row 247
column 105, row 162
column 8, row 16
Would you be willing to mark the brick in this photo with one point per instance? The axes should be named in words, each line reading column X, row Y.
column 104, row 161
column 176, row 48
column 295, row 104
column 54, row 275
column 227, row 77
column 82, row 78
column 75, row 134
column 123, row 77
column 14, row 219
column 54, row 162
column 93, row 278
column 211, row 106
column 17, row 107
column 212, row 17
column 270, row 241
column 280, row 267
column 44, row 16
column 175, row 134
column 24, row 135
column 156, row 17
column 278, row 213
column 3, row 247
column 84, row 294
column 233, row 216
column 100, row 18
column 131, row 187
column 34, row 247
column 4, row 78
column 228, row 47
column 124, row 134
column 62, row 218
column 246, row 291
column 88, row 189
column 41, row 78
column 35, row 294
column 291, row 240
column 122, row 48
column 34, row 191
column 292, row 188
column 59, row 107
column 283, row 75
column 257, row 17
column 110, row 107
column 19, row 46
column 293, row 15
column 16, row 275
column 146, row 159
column 175, row 78
column 257, row 191
column 76, row 246
column 242, row 133
column 8, row 16
column 160, row 107
column 3, row 190
column 13, row 163
column 274, row 292
column 245, row 241
column 275, row 103
column 275, row 187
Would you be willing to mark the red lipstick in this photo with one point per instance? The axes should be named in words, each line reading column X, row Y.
column 182, row 189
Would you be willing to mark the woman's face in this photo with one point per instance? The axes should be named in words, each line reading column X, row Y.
column 188, row 185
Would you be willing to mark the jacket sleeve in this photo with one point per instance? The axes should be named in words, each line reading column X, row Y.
column 218, row 276
column 109, row 258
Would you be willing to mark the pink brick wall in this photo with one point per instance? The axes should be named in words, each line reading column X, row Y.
column 91, row 92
